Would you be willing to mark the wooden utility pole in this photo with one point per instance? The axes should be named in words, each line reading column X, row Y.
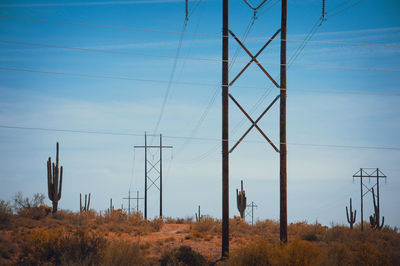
column 283, row 162
column 129, row 201
column 225, row 129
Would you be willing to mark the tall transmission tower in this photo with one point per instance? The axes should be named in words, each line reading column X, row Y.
column 226, row 32
column 368, row 173
column 157, row 167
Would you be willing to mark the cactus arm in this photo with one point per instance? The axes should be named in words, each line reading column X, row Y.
column 88, row 204
column 80, row 202
column 59, row 191
column 383, row 221
column 57, row 155
column 347, row 214
column 49, row 181
column 355, row 215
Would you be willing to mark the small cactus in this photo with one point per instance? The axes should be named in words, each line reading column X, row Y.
column 374, row 219
column 241, row 200
column 111, row 209
column 86, row 207
column 352, row 218
column 54, row 181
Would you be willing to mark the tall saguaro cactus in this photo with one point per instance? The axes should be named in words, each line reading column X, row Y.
column 198, row 216
column 54, row 181
column 374, row 220
column 352, row 218
column 241, row 200
column 84, row 208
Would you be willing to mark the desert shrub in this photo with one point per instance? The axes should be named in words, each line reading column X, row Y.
column 267, row 227
column 296, row 252
column 117, row 215
column 256, row 253
column 310, row 236
column 157, row 224
column 135, row 218
column 5, row 213
column 239, row 227
column 41, row 246
column 31, row 208
column 337, row 233
column 36, row 213
column 261, row 252
column 8, row 248
column 184, row 255
column 21, row 203
column 55, row 246
column 390, row 229
column 206, row 224
column 83, row 246
column 338, row 254
column 368, row 254
column 123, row 253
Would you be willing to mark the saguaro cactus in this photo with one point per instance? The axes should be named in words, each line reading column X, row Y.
column 374, row 220
column 241, row 200
column 111, row 209
column 198, row 216
column 84, row 208
column 54, row 181
column 352, row 218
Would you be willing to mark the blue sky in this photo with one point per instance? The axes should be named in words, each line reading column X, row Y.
column 320, row 108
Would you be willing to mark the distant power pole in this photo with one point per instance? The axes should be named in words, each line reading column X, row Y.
column 129, row 201
column 252, row 205
column 370, row 173
column 156, row 169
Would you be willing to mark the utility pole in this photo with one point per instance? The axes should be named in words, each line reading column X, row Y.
column 225, row 128
column 283, row 162
column 370, row 173
column 158, row 170
column 129, row 201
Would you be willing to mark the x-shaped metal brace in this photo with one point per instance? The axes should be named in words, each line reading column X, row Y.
column 153, row 183
column 254, row 123
column 254, row 58
column 153, row 166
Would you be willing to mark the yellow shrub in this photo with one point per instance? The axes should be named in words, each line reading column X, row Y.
column 297, row 252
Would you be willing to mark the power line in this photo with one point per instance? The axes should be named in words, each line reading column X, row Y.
column 195, row 138
column 189, row 58
column 344, row 9
column 188, row 33
column 189, row 83
column 171, row 78
column 268, row 91
column 214, row 96
column 91, row 3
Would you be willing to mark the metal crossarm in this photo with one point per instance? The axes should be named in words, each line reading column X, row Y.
column 254, row 123
column 254, row 58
